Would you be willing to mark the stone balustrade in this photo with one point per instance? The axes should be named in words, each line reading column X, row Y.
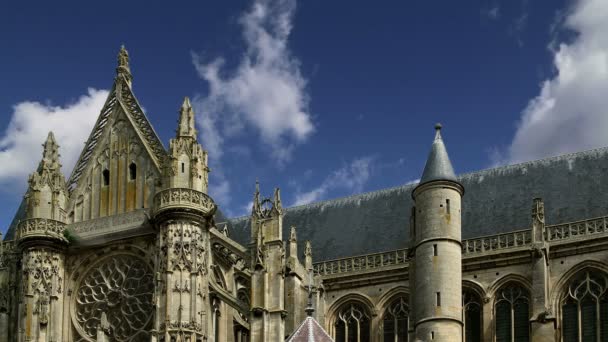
column 183, row 198
column 490, row 243
column 361, row 263
column 41, row 228
column 576, row 229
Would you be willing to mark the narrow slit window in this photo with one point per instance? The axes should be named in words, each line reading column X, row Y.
column 106, row 177
column 435, row 250
column 447, row 205
column 183, row 167
column 438, row 299
column 132, row 171
column 432, row 335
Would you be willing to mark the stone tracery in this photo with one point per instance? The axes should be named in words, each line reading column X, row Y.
column 121, row 287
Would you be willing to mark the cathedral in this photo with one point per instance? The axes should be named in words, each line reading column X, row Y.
column 131, row 247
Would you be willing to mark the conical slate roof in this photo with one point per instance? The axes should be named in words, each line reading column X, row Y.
column 438, row 165
column 310, row 331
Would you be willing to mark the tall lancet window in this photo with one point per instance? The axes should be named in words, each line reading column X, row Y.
column 512, row 308
column 585, row 308
column 353, row 324
column 395, row 322
column 471, row 305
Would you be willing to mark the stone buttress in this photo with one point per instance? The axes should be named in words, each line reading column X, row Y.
column 268, row 269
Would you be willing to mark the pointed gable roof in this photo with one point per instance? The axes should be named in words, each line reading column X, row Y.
column 310, row 331
column 121, row 96
column 438, row 165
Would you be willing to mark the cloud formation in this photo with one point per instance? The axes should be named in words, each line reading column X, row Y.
column 266, row 92
column 570, row 113
column 351, row 177
column 20, row 144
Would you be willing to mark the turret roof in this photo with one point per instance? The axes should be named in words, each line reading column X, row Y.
column 438, row 165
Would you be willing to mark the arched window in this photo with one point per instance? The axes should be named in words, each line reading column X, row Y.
column 586, row 304
column 395, row 322
column 106, row 177
column 471, row 305
column 132, row 171
column 353, row 324
column 512, row 314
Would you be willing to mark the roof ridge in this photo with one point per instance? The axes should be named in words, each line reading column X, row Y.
column 413, row 183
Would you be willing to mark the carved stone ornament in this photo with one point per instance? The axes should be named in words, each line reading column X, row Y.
column 121, row 286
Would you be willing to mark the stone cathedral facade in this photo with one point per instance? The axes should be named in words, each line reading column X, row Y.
column 131, row 247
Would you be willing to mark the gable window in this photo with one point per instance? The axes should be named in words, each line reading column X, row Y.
column 132, row 171
column 106, row 177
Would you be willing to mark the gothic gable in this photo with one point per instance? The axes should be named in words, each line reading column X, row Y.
column 120, row 166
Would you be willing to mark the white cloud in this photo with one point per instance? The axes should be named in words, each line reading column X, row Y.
column 492, row 13
column 266, row 92
column 570, row 113
column 351, row 177
column 20, row 144
column 219, row 189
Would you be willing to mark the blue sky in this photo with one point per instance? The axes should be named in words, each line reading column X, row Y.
column 321, row 98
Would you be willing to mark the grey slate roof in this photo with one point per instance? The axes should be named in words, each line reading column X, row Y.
column 438, row 165
column 573, row 186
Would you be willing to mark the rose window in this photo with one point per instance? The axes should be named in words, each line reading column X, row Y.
column 121, row 287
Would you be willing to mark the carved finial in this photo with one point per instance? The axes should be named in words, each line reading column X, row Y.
column 438, row 127
column 538, row 210
column 256, row 198
column 123, row 68
column 225, row 230
column 186, row 126
column 292, row 235
column 50, row 155
column 538, row 220
column 308, row 249
column 277, row 199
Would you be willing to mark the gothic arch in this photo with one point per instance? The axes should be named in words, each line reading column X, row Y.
column 357, row 298
column 391, row 295
column 560, row 286
column 559, row 292
column 507, row 294
column 509, row 278
column 352, row 297
column 474, row 286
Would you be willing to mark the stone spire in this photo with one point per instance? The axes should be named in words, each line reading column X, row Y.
column 123, row 68
column 438, row 165
column 46, row 194
column 50, row 154
column 186, row 120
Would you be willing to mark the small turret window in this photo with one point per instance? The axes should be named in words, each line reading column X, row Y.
column 132, row 171
column 106, row 177
column 447, row 205
column 438, row 298
column 183, row 167
column 435, row 250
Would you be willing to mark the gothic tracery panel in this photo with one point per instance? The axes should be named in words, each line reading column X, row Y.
column 585, row 303
column 353, row 324
column 119, row 287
